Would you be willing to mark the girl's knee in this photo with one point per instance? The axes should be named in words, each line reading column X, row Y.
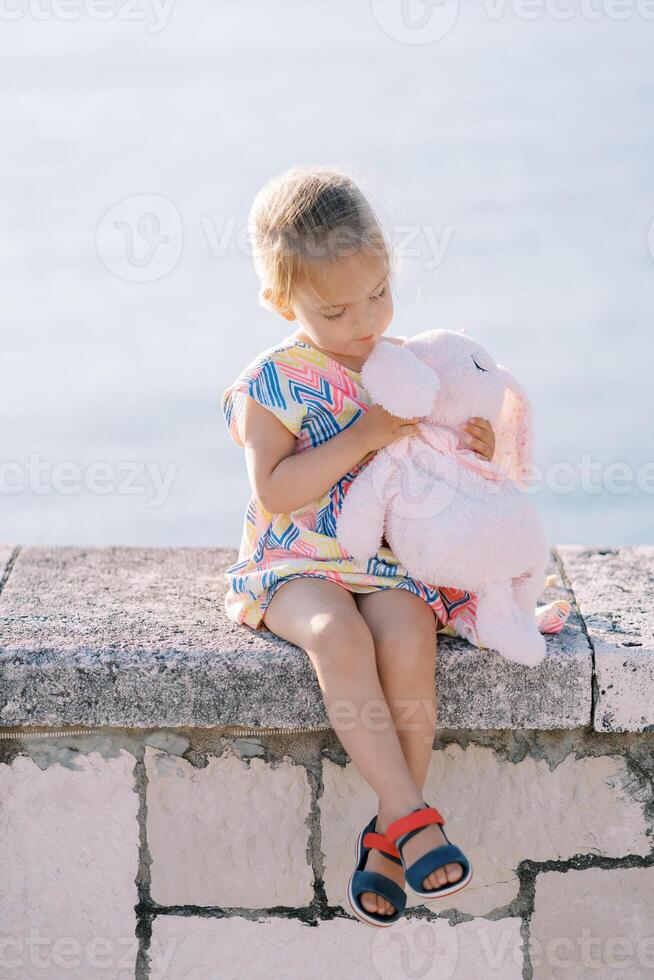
column 412, row 637
column 341, row 636
column 420, row 621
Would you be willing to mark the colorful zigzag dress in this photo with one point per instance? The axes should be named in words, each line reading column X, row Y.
column 316, row 397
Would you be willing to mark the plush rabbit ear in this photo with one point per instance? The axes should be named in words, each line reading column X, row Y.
column 514, row 432
column 399, row 381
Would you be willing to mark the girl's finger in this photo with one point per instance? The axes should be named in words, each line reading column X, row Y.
column 477, row 428
column 481, row 448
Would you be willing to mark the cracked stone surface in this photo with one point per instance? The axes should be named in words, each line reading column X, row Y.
column 594, row 924
column 614, row 588
column 139, row 637
column 6, row 551
column 499, row 813
column 259, row 949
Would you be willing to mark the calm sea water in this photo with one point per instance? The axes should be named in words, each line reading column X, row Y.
column 519, row 153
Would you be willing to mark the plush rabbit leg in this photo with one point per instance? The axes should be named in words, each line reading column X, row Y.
column 527, row 589
column 360, row 524
column 504, row 627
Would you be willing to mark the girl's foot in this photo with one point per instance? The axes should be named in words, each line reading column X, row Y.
column 425, row 840
column 377, row 861
column 552, row 617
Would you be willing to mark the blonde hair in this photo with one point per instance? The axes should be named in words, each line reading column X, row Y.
column 301, row 222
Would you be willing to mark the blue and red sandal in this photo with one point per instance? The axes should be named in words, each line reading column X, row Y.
column 403, row 829
column 372, row 881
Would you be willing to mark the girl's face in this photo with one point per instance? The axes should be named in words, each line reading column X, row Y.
column 354, row 310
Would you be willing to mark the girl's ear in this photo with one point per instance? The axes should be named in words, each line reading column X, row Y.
column 399, row 381
column 514, row 432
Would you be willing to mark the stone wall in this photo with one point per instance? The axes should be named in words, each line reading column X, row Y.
column 174, row 803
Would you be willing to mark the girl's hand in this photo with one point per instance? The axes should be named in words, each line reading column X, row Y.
column 379, row 428
column 480, row 437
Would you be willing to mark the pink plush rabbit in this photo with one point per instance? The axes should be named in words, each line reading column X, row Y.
column 450, row 517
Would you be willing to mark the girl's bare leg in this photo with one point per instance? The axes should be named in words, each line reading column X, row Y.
column 322, row 618
column 404, row 631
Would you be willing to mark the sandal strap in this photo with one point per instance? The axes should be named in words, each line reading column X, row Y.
column 437, row 858
column 413, row 821
column 372, row 881
column 380, row 842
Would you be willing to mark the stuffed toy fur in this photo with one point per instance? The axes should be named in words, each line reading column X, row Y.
column 449, row 516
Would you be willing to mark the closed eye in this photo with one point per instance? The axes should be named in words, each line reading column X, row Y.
column 335, row 316
column 478, row 366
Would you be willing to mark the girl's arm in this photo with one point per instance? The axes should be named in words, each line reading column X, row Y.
column 284, row 481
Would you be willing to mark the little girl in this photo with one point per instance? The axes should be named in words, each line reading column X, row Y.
column 307, row 425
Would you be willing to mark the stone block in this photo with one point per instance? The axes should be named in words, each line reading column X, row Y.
column 595, row 924
column 234, row 948
column 69, row 855
column 233, row 834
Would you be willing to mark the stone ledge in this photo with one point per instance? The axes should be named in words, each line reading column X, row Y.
column 614, row 591
column 129, row 636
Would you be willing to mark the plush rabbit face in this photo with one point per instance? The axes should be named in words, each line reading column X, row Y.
column 471, row 383
column 446, row 378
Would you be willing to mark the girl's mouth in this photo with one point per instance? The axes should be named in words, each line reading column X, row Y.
column 366, row 340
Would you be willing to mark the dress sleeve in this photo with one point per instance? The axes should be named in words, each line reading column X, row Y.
column 272, row 384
